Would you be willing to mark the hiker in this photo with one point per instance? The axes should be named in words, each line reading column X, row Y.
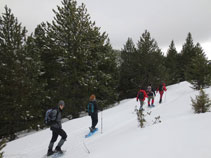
column 93, row 111
column 141, row 97
column 56, row 128
column 161, row 89
column 151, row 94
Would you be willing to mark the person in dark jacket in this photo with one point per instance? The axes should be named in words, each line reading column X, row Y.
column 141, row 97
column 161, row 88
column 93, row 111
column 151, row 94
column 56, row 128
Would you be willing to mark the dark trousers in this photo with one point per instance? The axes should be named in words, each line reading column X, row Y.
column 56, row 132
column 94, row 118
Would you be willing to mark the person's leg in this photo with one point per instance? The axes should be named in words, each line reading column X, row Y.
column 95, row 120
column 152, row 100
column 161, row 95
column 149, row 101
column 53, row 140
column 141, row 104
column 63, row 135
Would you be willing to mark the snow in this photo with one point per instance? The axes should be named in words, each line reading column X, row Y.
column 181, row 133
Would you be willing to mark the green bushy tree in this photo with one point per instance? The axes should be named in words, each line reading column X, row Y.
column 186, row 56
column 198, row 73
column 77, row 59
column 202, row 103
column 150, row 63
column 17, row 77
column 172, row 64
column 127, row 85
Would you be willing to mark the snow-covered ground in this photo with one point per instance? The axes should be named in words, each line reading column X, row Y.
column 181, row 133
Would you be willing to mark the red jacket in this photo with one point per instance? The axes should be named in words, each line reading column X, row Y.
column 145, row 95
column 164, row 88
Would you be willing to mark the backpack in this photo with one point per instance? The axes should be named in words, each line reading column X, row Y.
column 90, row 108
column 48, row 117
column 161, row 87
column 141, row 95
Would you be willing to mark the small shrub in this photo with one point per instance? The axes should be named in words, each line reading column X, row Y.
column 140, row 117
column 157, row 120
column 202, row 102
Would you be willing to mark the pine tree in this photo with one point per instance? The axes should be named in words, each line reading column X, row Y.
column 197, row 72
column 172, row 64
column 79, row 59
column 35, row 85
column 202, row 102
column 185, row 58
column 50, row 66
column 127, row 84
column 150, row 61
column 18, row 77
column 12, row 68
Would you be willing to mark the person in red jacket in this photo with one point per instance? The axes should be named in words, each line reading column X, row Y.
column 141, row 97
column 161, row 89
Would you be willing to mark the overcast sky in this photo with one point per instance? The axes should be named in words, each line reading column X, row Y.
column 166, row 20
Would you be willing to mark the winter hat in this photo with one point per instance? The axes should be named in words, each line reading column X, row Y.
column 61, row 102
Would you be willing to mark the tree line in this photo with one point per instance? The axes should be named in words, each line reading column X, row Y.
column 70, row 59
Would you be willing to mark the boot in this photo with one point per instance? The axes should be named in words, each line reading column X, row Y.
column 50, row 152
column 58, row 150
column 50, row 147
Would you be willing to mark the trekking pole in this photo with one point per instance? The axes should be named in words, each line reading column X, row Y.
column 165, row 97
column 101, row 121
column 87, row 150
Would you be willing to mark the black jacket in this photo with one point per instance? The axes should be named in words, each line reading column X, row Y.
column 56, row 117
column 92, row 107
column 151, row 92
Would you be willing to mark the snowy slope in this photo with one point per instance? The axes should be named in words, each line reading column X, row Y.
column 181, row 134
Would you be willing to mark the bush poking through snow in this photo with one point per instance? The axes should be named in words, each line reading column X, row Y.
column 140, row 117
column 202, row 102
column 157, row 120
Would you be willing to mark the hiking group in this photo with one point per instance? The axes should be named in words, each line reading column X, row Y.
column 53, row 116
column 150, row 94
column 53, row 119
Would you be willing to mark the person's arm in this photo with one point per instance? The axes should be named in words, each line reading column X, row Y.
column 137, row 96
